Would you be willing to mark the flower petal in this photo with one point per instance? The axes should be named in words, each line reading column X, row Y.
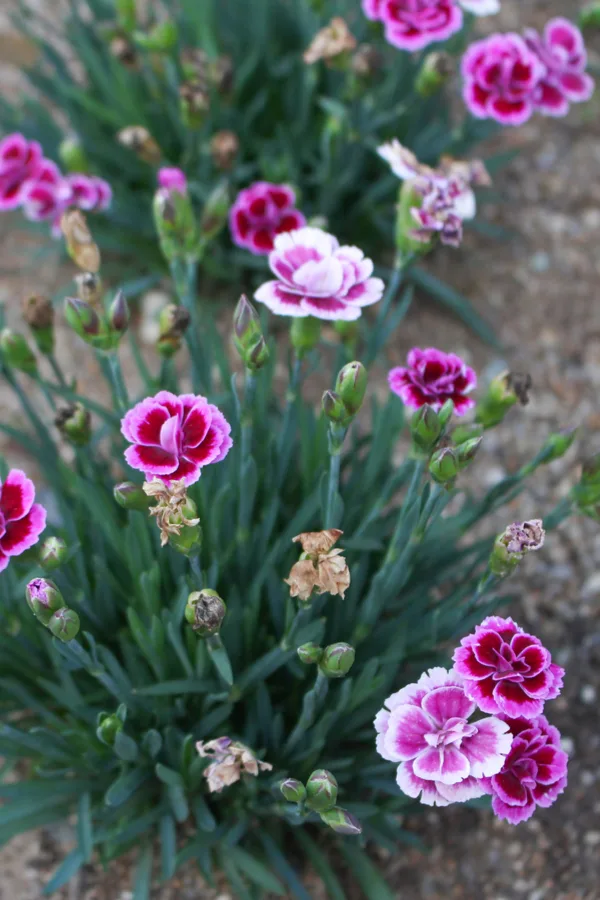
column 405, row 739
column 23, row 533
column 487, row 749
column 445, row 764
column 16, row 495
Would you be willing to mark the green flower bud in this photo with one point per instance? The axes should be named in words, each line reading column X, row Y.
column 425, row 430
column 321, row 790
column 248, row 337
column 205, row 612
column 108, row 728
column 505, row 391
column 258, row 356
column 72, row 155
column 467, row 451
column 43, row 598
column 82, row 318
column 558, row 443
column 337, row 660
column 351, row 386
column 305, row 332
column 173, row 323
column 310, row 653
column 17, row 352
column 175, row 224
column 444, row 466
column 64, row 624
column 53, row 553
column 464, row 433
column 437, row 68
column 293, row 791
column 160, row 39
column 214, row 214
column 334, row 408
column 74, row 423
column 445, row 413
column 118, row 314
column 189, row 540
column 38, row 312
column 131, row 496
column 126, row 16
column 341, row 821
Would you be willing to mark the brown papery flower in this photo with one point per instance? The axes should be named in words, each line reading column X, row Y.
column 81, row 246
column 330, row 42
column 231, row 760
column 170, row 509
column 38, row 311
column 138, row 139
column 224, row 148
column 320, row 568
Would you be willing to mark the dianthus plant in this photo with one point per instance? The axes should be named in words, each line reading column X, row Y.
column 227, row 616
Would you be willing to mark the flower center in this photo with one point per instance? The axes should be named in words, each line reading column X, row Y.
column 451, row 732
column 509, row 666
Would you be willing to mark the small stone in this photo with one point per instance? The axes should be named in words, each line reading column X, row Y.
column 540, row 262
column 568, row 745
column 591, row 587
column 587, row 778
column 588, row 694
column 592, row 838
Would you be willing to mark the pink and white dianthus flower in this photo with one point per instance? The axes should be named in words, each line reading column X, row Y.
column 261, row 212
column 534, row 774
column 316, row 277
column 174, row 437
column 172, row 179
column 432, row 377
column 87, row 192
column 562, row 51
column 507, row 671
column 443, row 755
column 21, row 519
column 501, row 77
column 20, row 161
column 414, row 24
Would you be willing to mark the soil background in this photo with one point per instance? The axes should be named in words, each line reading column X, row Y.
column 539, row 289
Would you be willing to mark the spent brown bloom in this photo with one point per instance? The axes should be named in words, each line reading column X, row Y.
column 81, row 246
column 224, row 148
column 330, row 42
column 38, row 311
column 138, row 139
column 170, row 510
column 231, row 760
column 320, row 568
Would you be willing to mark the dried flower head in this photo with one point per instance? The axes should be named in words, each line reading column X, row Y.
column 89, row 287
column 224, row 148
column 521, row 537
column 320, row 568
column 366, row 61
column 171, row 500
column 231, row 760
column 330, row 42
column 138, row 139
column 81, row 246
column 520, row 383
column 38, row 311
column 123, row 50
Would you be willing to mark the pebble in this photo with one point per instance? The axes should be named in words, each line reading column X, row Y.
column 568, row 745
column 588, row 694
column 592, row 838
column 591, row 587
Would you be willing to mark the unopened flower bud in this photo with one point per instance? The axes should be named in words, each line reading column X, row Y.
column 53, row 553
column 126, row 15
column 108, row 728
column 337, row 660
column 82, row 318
column 118, row 314
column 425, row 430
column 247, row 335
column 334, row 409
column 74, row 423
column 43, row 598
column 464, row 433
column 514, row 543
column 72, row 155
column 175, row 224
column 321, row 790
column 305, row 332
column 161, row 38
column 205, row 612
column 64, row 624
column 437, row 68
column 351, row 386
column 309, row 653
column 558, row 443
column 293, row 790
column 173, row 322
column 444, row 466
column 38, row 312
column 341, row 821
column 224, row 147
column 445, row 413
column 131, row 496
column 258, row 356
column 189, row 539
column 467, row 451
column 194, row 103
column 505, row 391
column 214, row 214
column 89, row 287
column 138, row 139
column 81, row 246
column 16, row 352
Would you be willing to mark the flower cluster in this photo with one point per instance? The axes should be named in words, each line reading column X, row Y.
column 21, row 519
column 414, row 24
column 433, row 377
column 447, row 755
column 260, row 213
column 508, row 77
column 36, row 185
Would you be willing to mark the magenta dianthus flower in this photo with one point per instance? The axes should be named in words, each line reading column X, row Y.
column 21, row 520
column 172, row 179
column 432, row 377
column 562, row 52
column 260, row 213
column 316, row 277
column 506, row 670
column 501, row 75
column 534, row 774
column 443, row 755
column 173, row 437
column 414, row 24
column 20, row 161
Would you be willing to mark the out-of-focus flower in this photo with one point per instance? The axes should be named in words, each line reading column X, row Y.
column 16, row 352
column 535, row 771
column 172, row 179
column 46, row 196
column 138, row 139
column 80, row 244
column 320, row 568
column 501, row 79
column 316, row 277
column 194, row 103
column 562, row 52
column 366, row 61
column 231, row 760
column 173, row 437
column 170, row 510
column 87, row 192
column 21, row 519
column 511, row 546
column 443, row 755
column 506, row 670
column 331, row 42
column 432, row 377
column 414, row 24
column 20, row 162
column 260, row 213
column 74, row 423
column 437, row 68
column 173, row 323
column 224, row 147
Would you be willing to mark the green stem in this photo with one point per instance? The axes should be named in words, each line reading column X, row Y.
column 284, row 443
column 310, row 707
column 197, row 572
column 58, row 372
column 378, row 333
column 118, row 382
column 184, row 274
column 302, row 615
column 393, row 549
column 337, row 434
column 247, row 426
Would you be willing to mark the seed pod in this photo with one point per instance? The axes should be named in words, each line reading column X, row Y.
column 64, row 624
column 89, row 288
column 189, row 539
column 131, row 496
column 17, row 352
column 138, row 139
column 43, row 598
column 310, row 653
column 74, row 423
column 337, row 660
column 205, row 612
column 53, row 553
column 293, row 790
column 38, row 312
column 341, row 821
column 351, row 386
column 321, row 790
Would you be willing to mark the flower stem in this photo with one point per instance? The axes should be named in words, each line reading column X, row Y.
column 411, row 495
column 184, row 274
column 247, row 426
column 284, row 444
column 118, row 382
column 58, row 372
column 378, row 333
column 337, row 434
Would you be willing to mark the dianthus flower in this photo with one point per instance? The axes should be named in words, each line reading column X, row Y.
column 427, row 727
column 316, row 277
column 173, row 179
column 20, row 161
column 414, row 24
column 534, row 773
column 21, row 520
column 231, row 760
column 260, row 213
column 173, row 437
column 432, row 377
column 562, row 52
column 506, row 670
